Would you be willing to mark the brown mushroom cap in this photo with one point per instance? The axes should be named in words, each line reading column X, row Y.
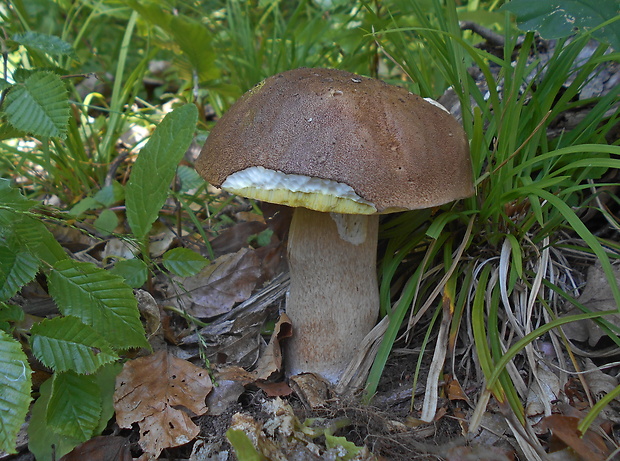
column 393, row 148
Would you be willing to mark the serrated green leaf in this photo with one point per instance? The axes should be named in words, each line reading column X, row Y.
column 99, row 299
column 43, row 442
column 155, row 167
column 561, row 18
column 134, row 271
column 74, row 407
column 65, row 343
column 106, row 222
column 11, row 313
column 184, row 262
column 15, row 384
column 27, row 232
column 49, row 44
column 17, row 268
column 12, row 198
column 39, row 106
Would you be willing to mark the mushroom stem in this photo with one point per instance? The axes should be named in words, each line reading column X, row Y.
column 333, row 300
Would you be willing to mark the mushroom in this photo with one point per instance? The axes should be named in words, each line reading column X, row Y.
column 342, row 149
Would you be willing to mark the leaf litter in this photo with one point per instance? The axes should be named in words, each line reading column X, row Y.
column 161, row 393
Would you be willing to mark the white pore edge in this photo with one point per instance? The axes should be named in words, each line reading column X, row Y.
column 435, row 103
column 300, row 187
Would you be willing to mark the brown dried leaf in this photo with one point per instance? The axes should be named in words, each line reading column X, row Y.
column 564, row 428
column 223, row 396
column 230, row 279
column 271, row 360
column 150, row 390
column 599, row 383
column 454, row 391
column 102, row 448
column 543, row 390
column 236, row 237
column 596, row 296
column 280, row 389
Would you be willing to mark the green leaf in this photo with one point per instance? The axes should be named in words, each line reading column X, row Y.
column 74, row 407
column 184, row 262
column 87, row 203
column 190, row 179
column 12, row 198
column 39, row 106
column 134, row 271
column 99, row 299
column 106, row 222
column 65, row 343
column 32, row 234
column 11, row 313
column 190, row 35
column 244, row 449
column 332, row 441
column 4, row 84
column 43, row 442
column 8, row 131
column 155, row 167
column 561, row 18
column 17, row 268
column 111, row 194
column 15, row 384
column 49, row 44
column 106, row 380
column 194, row 40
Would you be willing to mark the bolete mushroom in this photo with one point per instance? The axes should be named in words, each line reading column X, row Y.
column 342, row 149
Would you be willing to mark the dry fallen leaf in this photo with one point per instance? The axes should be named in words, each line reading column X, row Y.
column 271, row 360
column 454, row 391
column 564, row 430
column 596, row 296
column 542, row 391
column 102, row 448
column 230, row 279
column 236, row 237
column 280, row 389
column 155, row 391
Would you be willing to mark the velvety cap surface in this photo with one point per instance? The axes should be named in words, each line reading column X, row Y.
column 393, row 149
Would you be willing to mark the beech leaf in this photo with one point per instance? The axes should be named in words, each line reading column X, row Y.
column 154, row 391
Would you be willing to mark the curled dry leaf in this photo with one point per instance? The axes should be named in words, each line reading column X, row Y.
column 230, row 279
column 271, row 360
column 158, row 392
